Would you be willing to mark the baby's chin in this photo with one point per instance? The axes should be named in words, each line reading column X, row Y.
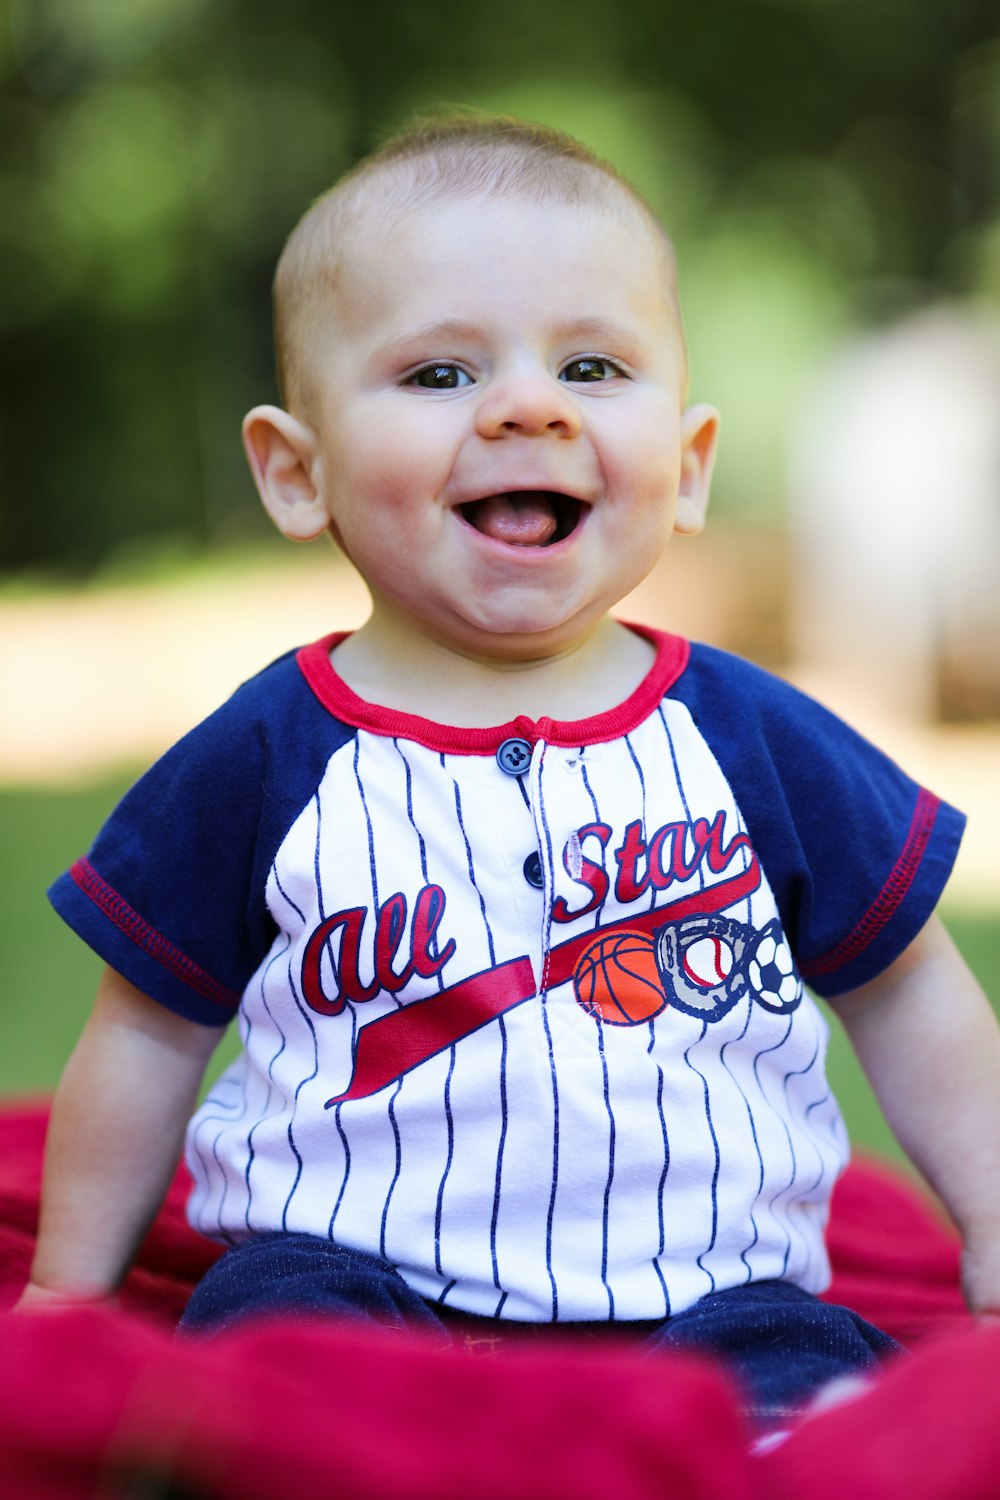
column 517, row 633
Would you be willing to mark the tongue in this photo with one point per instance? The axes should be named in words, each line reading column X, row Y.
column 522, row 519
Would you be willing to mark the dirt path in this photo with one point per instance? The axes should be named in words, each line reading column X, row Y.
column 95, row 680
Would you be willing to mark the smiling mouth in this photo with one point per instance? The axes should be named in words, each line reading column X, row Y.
column 524, row 518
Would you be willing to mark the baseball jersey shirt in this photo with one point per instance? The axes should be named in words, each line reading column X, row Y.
column 522, row 1009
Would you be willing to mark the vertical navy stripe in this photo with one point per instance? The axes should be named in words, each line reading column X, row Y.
column 321, row 908
column 500, row 1151
column 270, row 1074
column 317, row 869
column 715, row 1146
column 225, row 1187
column 447, row 1165
column 409, row 809
column 663, row 1182
column 803, row 1192
column 225, row 1121
column 590, row 791
column 826, row 1098
column 607, row 1093
column 295, row 1103
column 343, row 1137
column 550, row 1216
column 364, row 803
column 228, row 1121
column 775, row 1196
column 471, row 868
column 679, row 782
column 642, row 789
column 611, row 1172
column 753, row 1132
column 704, row 1027
column 284, row 894
column 347, row 1170
column 422, row 844
column 597, row 818
column 399, row 1163
column 318, row 878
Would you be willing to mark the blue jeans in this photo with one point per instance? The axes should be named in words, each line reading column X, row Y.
column 780, row 1342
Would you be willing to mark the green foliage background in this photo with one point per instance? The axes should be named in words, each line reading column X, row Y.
column 820, row 163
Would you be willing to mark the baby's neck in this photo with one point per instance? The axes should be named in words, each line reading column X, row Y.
column 430, row 679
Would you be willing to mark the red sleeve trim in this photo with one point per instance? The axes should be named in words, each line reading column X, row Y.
column 890, row 898
column 147, row 938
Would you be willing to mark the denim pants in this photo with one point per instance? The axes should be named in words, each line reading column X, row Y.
column 781, row 1343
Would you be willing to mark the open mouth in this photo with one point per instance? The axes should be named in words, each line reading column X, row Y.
column 524, row 518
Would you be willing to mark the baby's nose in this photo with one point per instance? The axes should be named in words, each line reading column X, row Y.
column 528, row 405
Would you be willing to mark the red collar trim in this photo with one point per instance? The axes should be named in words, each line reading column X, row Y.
column 672, row 654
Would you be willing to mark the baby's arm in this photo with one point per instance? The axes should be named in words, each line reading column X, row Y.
column 930, row 1044
column 114, row 1138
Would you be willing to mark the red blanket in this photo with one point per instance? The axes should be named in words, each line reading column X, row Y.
column 106, row 1403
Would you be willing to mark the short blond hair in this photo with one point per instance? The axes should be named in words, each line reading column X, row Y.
column 452, row 155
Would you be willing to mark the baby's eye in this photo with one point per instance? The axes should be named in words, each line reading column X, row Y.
column 588, row 368
column 439, row 378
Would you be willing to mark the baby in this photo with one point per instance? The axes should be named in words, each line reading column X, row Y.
column 514, row 902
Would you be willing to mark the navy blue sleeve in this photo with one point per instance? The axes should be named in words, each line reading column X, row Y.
column 856, row 853
column 172, row 894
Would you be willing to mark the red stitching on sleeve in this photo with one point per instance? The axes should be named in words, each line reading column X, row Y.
column 146, row 937
column 891, row 896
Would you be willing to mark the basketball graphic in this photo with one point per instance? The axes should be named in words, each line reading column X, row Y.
column 617, row 979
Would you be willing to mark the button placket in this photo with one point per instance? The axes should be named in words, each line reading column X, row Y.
column 570, row 808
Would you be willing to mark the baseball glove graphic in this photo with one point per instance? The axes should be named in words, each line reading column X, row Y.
column 709, row 963
column 703, row 964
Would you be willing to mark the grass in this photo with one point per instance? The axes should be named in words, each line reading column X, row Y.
column 51, row 976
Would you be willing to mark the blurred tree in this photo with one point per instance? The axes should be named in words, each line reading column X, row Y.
column 819, row 161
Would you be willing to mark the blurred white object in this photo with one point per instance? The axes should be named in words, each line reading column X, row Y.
column 895, row 489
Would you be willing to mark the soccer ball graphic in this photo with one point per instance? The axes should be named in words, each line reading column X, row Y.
column 771, row 971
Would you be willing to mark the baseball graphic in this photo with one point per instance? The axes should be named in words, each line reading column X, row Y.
column 702, row 964
column 617, row 979
column 708, row 962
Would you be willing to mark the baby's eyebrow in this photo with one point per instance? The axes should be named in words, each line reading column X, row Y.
column 585, row 330
column 429, row 333
column 596, row 330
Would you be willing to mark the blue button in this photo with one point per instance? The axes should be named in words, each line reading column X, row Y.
column 514, row 757
column 533, row 872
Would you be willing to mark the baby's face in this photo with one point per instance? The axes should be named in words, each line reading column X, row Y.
column 499, row 420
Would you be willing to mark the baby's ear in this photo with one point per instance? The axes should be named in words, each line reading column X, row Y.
column 699, row 439
column 283, row 455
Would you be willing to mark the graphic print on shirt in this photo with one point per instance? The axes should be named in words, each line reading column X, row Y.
column 701, row 964
column 430, row 1074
